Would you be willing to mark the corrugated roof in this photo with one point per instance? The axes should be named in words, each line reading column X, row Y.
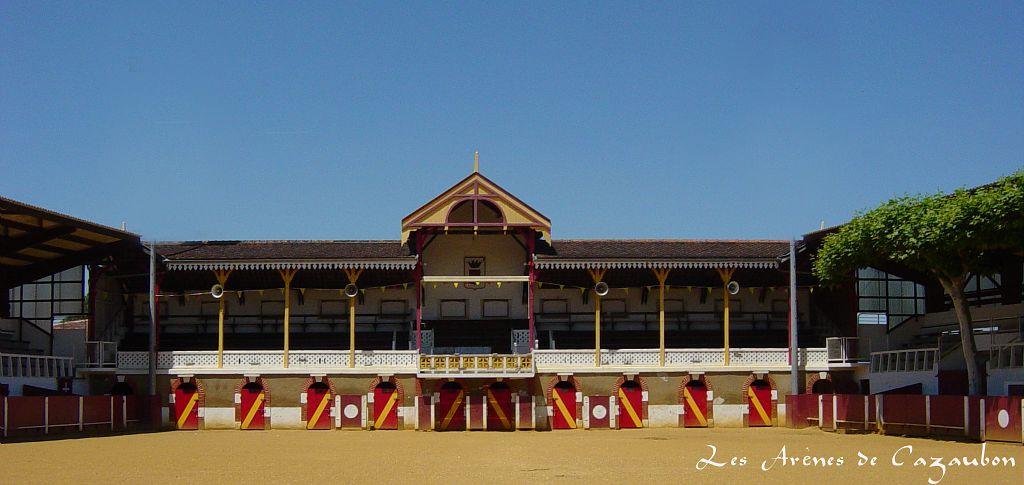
column 282, row 250
column 665, row 249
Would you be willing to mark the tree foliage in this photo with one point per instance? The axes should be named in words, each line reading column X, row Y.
column 944, row 235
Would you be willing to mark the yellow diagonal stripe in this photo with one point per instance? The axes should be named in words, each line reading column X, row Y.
column 562, row 409
column 497, row 409
column 387, row 410
column 451, row 411
column 188, row 409
column 757, row 405
column 319, row 410
column 252, row 411
column 693, row 407
column 629, row 409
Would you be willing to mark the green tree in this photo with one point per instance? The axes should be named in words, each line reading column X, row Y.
column 949, row 236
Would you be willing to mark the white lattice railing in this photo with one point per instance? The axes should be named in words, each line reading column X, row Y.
column 398, row 360
column 410, row 361
column 686, row 358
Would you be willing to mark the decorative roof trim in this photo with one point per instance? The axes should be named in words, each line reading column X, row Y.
column 548, row 264
column 296, row 264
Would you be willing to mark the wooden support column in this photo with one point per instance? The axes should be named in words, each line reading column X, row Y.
column 661, row 275
column 222, row 279
column 530, row 241
column 353, row 277
column 287, row 275
column 726, row 275
column 597, row 275
column 418, row 276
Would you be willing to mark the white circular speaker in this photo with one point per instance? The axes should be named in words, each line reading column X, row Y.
column 733, row 287
column 351, row 290
column 217, row 291
column 601, row 288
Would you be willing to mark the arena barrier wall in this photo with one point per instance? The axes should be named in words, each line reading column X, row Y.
column 44, row 415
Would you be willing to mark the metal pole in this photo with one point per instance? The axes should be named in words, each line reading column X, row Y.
column 794, row 358
column 152, row 319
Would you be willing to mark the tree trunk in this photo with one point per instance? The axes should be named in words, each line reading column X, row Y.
column 955, row 288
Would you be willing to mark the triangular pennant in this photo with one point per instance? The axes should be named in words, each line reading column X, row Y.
column 456, row 284
column 405, row 286
column 561, row 287
column 498, row 283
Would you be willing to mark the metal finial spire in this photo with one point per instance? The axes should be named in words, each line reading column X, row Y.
column 476, row 162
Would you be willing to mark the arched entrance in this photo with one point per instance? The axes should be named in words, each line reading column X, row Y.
column 695, row 404
column 318, row 406
column 563, row 400
column 631, row 405
column 823, row 386
column 186, row 406
column 451, row 407
column 385, row 405
column 759, row 403
column 253, row 407
column 500, row 411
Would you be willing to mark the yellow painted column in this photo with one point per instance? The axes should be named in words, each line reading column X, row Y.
column 597, row 275
column 222, row 279
column 726, row 275
column 353, row 276
column 662, row 275
column 287, row 275
column 597, row 330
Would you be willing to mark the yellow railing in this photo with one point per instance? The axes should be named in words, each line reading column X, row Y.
column 476, row 363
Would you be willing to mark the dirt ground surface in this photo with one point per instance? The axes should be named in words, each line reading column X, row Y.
column 662, row 455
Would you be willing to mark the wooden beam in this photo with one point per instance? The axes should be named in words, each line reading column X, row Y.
column 31, row 228
column 661, row 275
column 56, row 265
column 9, row 246
column 287, row 275
column 726, row 276
column 222, row 279
column 353, row 276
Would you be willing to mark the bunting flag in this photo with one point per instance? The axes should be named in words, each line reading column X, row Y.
column 456, row 284
column 435, row 285
column 302, row 291
column 561, row 287
column 499, row 284
column 627, row 290
column 689, row 289
column 405, row 286
column 751, row 290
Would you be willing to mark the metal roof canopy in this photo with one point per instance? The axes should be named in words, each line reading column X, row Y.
column 36, row 242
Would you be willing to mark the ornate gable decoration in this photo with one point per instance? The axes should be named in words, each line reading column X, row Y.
column 476, row 203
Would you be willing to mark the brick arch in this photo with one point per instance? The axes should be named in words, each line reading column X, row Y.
column 201, row 402
column 514, row 385
column 555, row 380
column 775, row 403
column 812, row 378
column 309, row 382
column 643, row 386
column 686, row 380
column 710, row 416
column 266, row 397
column 398, row 387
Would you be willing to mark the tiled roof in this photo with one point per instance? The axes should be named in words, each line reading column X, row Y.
column 665, row 249
column 281, row 250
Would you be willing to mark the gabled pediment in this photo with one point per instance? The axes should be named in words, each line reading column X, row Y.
column 478, row 203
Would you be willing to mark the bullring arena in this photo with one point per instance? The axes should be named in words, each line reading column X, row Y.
column 478, row 347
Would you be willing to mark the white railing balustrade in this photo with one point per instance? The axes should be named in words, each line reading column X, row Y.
column 18, row 365
column 908, row 360
column 676, row 358
column 241, row 360
column 1007, row 356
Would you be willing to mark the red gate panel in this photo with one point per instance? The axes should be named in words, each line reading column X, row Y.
column 525, row 406
column 186, row 407
column 631, row 407
column 451, row 409
column 385, row 407
column 475, row 407
column 563, row 407
column 500, row 412
column 1002, row 419
column 350, row 410
column 695, row 406
column 318, row 408
column 599, row 412
column 253, row 409
column 759, row 402
column 26, row 413
column 424, row 413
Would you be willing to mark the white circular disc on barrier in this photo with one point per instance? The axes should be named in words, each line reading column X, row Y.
column 1004, row 418
column 600, row 411
column 351, row 411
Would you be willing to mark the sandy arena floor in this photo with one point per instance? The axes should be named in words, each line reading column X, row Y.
column 663, row 455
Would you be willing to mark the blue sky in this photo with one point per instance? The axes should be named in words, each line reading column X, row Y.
column 323, row 120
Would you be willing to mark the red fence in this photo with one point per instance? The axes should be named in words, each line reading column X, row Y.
column 40, row 415
column 982, row 418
